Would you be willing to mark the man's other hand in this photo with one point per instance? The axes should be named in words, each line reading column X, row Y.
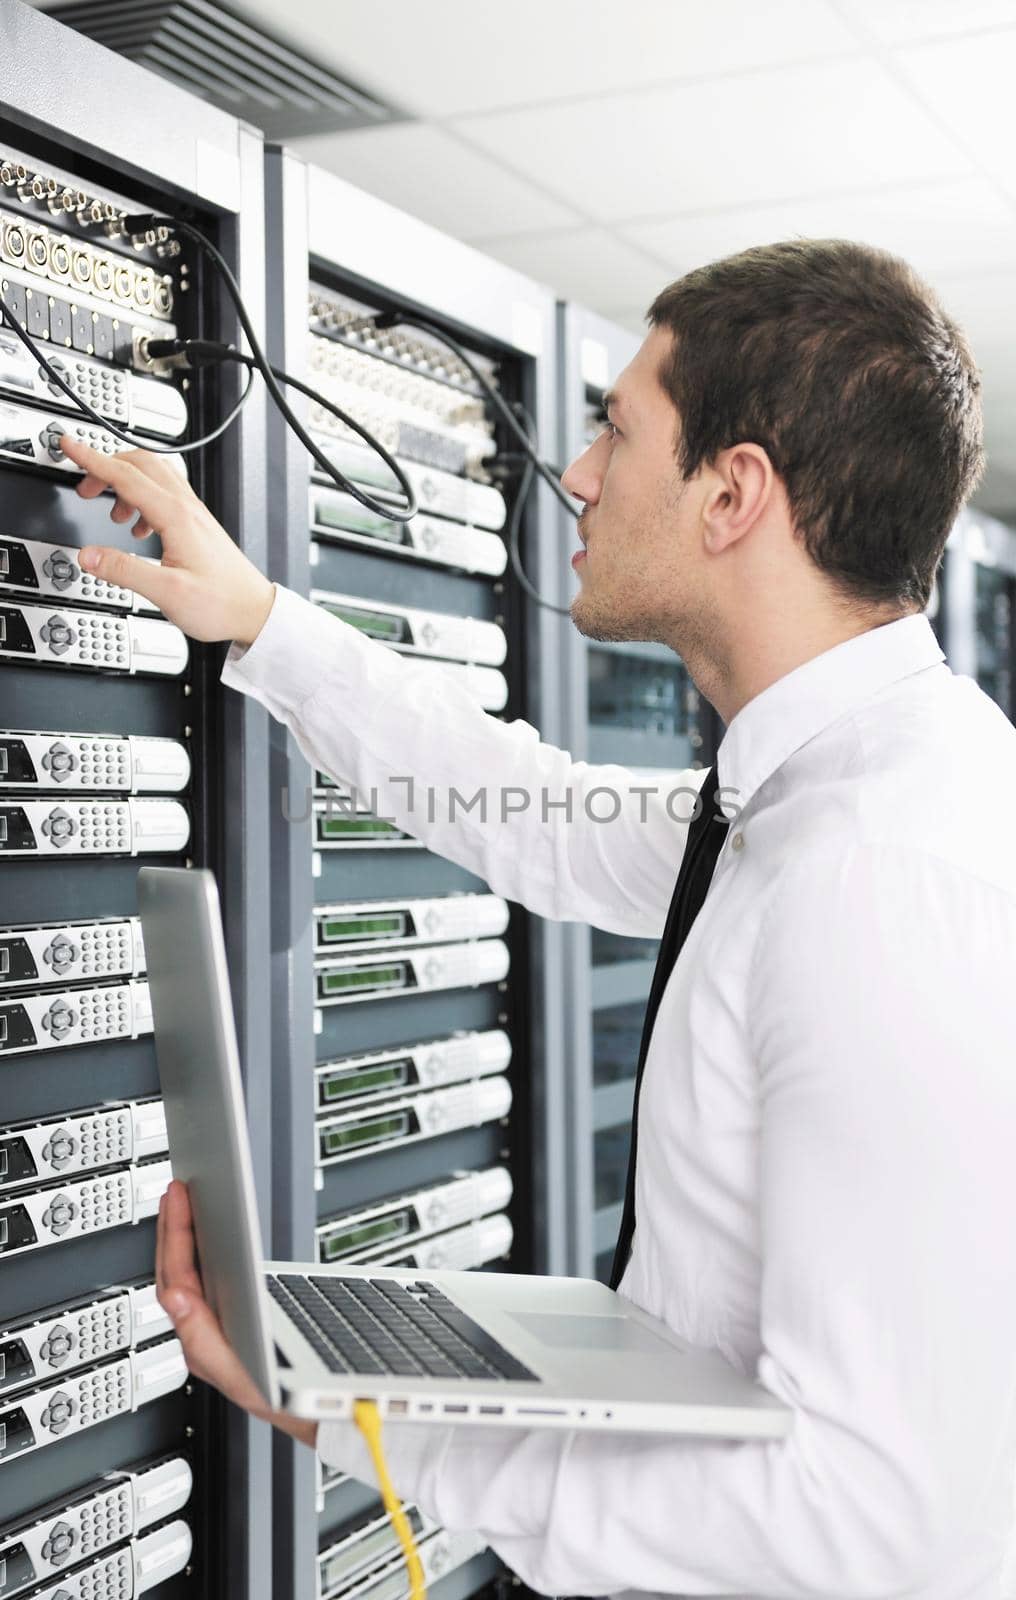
column 208, row 1353
column 204, row 583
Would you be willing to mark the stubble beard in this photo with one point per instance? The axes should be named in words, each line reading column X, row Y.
column 610, row 621
column 605, row 623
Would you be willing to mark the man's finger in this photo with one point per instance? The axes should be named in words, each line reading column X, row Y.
column 88, row 487
column 207, row 1353
column 122, row 512
column 159, row 467
column 200, row 1348
column 142, row 529
column 127, row 571
column 130, row 482
column 160, row 1247
column 177, row 1258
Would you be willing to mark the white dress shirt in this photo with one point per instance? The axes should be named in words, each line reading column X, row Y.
column 826, row 1184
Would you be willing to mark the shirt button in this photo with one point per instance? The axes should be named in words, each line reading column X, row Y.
column 737, row 842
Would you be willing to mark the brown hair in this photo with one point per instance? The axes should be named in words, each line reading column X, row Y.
column 842, row 365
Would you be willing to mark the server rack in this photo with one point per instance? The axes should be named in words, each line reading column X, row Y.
column 85, row 1391
column 633, row 704
column 359, row 912
column 975, row 615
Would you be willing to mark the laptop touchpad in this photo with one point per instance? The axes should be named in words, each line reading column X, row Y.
column 619, row 1335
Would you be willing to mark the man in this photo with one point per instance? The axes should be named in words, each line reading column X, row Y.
column 825, row 1183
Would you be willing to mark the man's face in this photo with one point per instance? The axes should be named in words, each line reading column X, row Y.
column 638, row 569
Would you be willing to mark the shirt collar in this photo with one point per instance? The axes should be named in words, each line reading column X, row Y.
column 804, row 702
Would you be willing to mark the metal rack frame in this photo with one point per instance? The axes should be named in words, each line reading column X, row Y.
column 326, row 226
column 181, row 153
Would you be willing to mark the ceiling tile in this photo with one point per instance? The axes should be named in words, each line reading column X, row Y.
column 763, row 136
column 941, row 227
column 445, row 57
column 433, row 175
column 589, row 265
column 892, row 21
column 969, row 83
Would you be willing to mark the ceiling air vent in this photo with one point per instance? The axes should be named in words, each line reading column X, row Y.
column 213, row 53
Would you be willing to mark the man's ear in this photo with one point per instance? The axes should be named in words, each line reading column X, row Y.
column 741, row 491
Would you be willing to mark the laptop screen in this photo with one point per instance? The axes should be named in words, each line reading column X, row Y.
column 199, row 1070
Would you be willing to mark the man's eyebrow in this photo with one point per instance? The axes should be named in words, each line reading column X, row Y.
column 611, row 400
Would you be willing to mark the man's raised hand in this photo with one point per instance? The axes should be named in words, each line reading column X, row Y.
column 204, row 583
column 208, row 1353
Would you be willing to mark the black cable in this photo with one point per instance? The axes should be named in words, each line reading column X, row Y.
column 391, row 319
column 205, row 352
column 142, row 223
column 83, row 407
column 229, row 419
column 515, row 526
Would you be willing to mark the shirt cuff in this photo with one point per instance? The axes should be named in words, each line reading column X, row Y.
column 285, row 660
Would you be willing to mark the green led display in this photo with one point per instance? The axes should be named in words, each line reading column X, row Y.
column 343, row 1241
column 335, row 1141
column 342, row 1085
column 333, row 929
column 348, row 520
column 353, row 827
column 373, row 623
column 362, row 978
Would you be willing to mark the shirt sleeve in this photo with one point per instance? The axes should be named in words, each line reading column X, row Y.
column 567, row 840
column 881, row 1020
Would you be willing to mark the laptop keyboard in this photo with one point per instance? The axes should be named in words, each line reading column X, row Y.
column 392, row 1329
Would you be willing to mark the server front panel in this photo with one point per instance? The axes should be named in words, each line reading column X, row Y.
column 416, row 975
column 110, row 755
column 409, row 987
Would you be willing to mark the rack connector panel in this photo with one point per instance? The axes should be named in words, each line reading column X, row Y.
column 33, row 1219
column 416, row 971
column 81, row 1141
column 113, row 763
column 61, row 952
column 91, row 641
column 83, row 1399
column 401, row 1221
column 79, row 827
column 357, row 924
column 417, row 633
column 101, row 1515
column 61, row 1338
column 361, row 1079
column 405, row 1120
column 44, row 571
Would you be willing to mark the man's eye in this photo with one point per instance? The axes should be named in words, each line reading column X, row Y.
column 610, row 429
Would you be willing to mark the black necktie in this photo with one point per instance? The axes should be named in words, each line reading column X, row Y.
column 705, row 841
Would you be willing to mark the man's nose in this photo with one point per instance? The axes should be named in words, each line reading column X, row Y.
column 583, row 478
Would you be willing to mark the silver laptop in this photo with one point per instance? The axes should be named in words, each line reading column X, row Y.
column 460, row 1347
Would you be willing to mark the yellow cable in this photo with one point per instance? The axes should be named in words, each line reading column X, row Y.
column 368, row 1419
